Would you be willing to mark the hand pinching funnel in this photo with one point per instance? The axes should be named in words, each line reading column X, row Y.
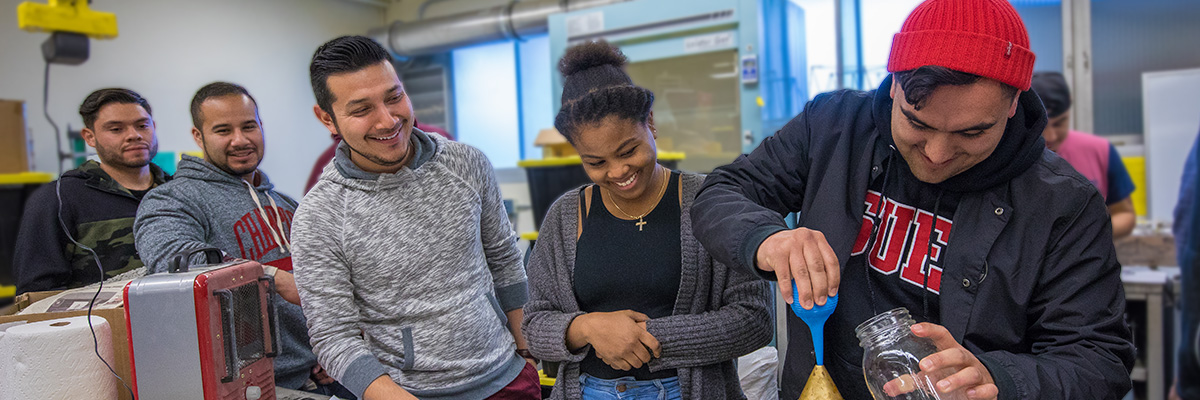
column 820, row 385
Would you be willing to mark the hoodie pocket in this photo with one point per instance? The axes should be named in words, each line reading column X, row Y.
column 397, row 352
column 410, row 357
column 491, row 297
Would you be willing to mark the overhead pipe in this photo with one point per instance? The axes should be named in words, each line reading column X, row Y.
column 515, row 20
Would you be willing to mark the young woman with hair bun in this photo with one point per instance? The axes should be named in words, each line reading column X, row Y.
column 621, row 293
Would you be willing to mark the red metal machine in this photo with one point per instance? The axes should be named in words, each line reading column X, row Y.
column 205, row 333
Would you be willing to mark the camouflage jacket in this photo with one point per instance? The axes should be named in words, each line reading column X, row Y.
column 99, row 214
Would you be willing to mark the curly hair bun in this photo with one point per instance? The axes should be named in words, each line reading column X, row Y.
column 590, row 55
column 596, row 86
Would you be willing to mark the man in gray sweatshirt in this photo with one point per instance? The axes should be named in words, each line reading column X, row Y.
column 405, row 259
column 224, row 201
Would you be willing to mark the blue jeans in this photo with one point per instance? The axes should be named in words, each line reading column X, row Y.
column 629, row 389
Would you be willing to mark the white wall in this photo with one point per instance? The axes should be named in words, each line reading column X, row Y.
column 167, row 49
column 1172, row 118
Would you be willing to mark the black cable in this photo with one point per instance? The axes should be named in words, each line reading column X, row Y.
column 63, row 224
column 100, row 287
column 46, row 111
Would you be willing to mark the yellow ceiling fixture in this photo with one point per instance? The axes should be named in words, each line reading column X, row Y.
column 70, row 24
column 66, row 16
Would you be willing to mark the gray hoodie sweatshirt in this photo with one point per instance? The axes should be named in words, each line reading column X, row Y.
column 207, row 207
column 409, row 274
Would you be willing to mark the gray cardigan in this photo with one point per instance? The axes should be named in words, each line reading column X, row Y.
column 719, row 314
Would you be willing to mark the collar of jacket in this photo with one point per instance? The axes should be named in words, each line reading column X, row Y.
column 95, row 178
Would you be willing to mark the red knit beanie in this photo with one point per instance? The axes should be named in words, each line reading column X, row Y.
column 981, row 37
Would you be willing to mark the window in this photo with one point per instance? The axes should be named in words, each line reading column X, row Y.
column 1131, row 37
column 537, row 107
column 502, row 98
column 485, row 97
column 881, row 20
column 820, row 46
column 1043, row 21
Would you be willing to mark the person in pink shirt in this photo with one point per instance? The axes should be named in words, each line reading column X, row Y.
column 1093, row 156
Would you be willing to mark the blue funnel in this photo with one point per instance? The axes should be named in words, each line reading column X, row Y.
column 815, row 319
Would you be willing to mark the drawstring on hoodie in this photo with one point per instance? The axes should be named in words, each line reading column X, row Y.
column 928, row 250
column 285, row 245
column 925, row 267
column 887, row 170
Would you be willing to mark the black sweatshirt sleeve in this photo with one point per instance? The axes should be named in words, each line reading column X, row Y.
column 40, row 261
column 743, row 203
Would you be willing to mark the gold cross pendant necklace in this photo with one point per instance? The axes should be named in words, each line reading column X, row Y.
column 641, row 222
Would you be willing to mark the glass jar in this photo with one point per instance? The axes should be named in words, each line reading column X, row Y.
column 891, row 353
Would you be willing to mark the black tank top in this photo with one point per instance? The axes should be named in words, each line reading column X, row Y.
column 618, row 267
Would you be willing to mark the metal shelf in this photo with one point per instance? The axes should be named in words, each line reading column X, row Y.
column 1138, row 374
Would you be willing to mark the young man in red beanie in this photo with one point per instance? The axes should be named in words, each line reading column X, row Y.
column 935, row 193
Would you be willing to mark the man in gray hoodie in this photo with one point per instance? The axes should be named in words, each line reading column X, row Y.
column 224, row 201
column 405, row 259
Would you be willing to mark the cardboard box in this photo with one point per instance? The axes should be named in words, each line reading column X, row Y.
column 553, row 144
column 1150, row 250
column 116, row 320
column 14, row 140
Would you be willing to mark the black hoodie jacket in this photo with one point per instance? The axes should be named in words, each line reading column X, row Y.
column 98, row 212
column 1031, row 283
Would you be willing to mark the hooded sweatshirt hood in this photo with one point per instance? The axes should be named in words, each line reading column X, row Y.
column 1020, row 147
column 424, row 148
column 192, row 167
column 95, row 177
